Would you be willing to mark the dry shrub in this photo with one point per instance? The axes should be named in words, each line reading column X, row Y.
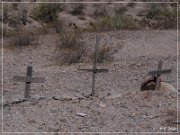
column 103, row 24
column 100, row 11
column 5, row 13
column 120, row 10
column 71, row 46
column 71, row 56
column 114, row 23
column 23, row 16
column 163, row 17
column 78, row 9
column 10, row 17
column 24, row 38
column 46, row 12
column 124, row 22
column 104, row 54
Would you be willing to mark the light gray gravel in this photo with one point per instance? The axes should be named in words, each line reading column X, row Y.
column 131, row 111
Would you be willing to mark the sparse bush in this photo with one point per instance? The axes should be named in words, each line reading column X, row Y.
column 120, row 10
column 46, row 12
column 73, row 49
column 163, row 17
column 10, row 17
column 103, row 24
column 124, row 22
column 104, row 54
column 114, row 23
column 23, row 16
column 13, row 20
column 5, row 13
column 100, row 12
column 69, row 39
column 24, row 38
column 159, row 13
column 78, row 9
column 72, row 56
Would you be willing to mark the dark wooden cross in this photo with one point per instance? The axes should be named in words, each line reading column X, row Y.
column 94, row 70
column 28, row 80
column 158, row 74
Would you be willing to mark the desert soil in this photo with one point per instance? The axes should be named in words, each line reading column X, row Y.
column 118, row 106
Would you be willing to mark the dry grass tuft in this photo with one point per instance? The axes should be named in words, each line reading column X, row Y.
column 162, row 17
column 113, row 23
column 104, row 54
column 24, row 38
column 100, row 11
column 120, row 10
column 46, row 12
column 71, row 46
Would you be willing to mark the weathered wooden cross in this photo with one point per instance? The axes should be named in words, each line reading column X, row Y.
column 95, row 70
column 158, row 74
column 28, row 80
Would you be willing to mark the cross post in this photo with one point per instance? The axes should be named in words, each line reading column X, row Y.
column 94, row 70
column 28, row 80
column 158, row 74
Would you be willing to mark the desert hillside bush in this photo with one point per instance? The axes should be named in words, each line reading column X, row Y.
column 9, row 17
column 114, row 23
column 23, row 16
column 159, row 13
column 162, row 17
column 71, row 46
column 78, row 9
column 100, row 11
column 70, row 39
column 104, row 54
column 23, row 38
column 46, row 12
column 124, row 22
column 120, row 10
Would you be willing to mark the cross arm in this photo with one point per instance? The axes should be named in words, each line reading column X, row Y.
column 168, row 71
column 28, row 79
column 95, row 70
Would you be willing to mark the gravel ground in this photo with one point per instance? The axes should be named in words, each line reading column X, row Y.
column 119, row 105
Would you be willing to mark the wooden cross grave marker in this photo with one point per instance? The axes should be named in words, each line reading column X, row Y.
column 95, row 70
column 158, row 74
column 28, row 80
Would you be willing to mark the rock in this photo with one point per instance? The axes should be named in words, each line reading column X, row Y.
column 81, row 114
column 168, row 90
column 101, row 104
column 166, row 87
column 62, row 98
column 113, row 95
column 150, row 117
column 56, row 98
